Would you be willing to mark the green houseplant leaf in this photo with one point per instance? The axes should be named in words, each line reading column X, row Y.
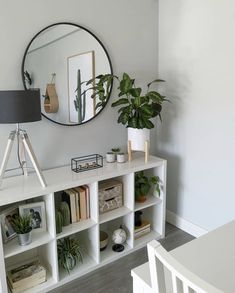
column 136, row 109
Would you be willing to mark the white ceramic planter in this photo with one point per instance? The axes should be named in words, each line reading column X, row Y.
column 121, row 158
column 110, row 157
column 138, row 137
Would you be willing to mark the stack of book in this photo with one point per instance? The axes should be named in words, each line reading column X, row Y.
column 78, row 199
column 143, row 229
column 26, row 276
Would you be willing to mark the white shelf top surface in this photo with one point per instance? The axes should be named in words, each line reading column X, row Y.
column 20, row 188
column 12, row 247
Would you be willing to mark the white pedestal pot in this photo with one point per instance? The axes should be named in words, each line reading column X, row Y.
column 138, row 137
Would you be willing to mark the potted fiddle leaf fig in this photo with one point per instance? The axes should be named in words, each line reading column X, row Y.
column 137, row 108
column 143, row 185
column 23, row 228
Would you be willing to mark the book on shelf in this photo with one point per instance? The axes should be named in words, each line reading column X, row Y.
column 145, row 224
column 142, row 232
column 26, row 276
column 69, row 197
column 87, row 190
column 77, row 204
column 82, row 202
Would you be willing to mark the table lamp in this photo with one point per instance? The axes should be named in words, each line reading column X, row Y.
column 20, row 106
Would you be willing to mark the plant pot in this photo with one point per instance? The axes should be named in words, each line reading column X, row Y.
column 121, row 158
column 104, row 238
column 110, row 157
column 25, row 239
column 138, row 137
column 141, row 198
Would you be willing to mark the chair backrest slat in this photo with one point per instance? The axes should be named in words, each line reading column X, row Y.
column 176, row 284
column 183, row 280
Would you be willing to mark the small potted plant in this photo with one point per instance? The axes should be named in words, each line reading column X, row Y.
column 143, row 185
column 69, row 253
column 23, row 228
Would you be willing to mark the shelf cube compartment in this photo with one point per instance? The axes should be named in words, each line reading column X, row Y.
column 153, row 216
column 88, row 243
column 47, row 257
column 110, row 192
column 109, row 227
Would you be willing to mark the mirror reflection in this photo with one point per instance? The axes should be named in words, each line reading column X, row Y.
column 60, row 60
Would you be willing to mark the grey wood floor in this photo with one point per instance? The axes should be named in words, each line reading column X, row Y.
column 116, row 277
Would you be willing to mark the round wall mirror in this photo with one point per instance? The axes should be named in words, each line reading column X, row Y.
column 59, row 60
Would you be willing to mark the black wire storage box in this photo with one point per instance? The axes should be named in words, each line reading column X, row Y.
column 86, row 163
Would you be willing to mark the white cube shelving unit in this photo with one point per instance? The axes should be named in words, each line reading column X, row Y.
column 16, row 190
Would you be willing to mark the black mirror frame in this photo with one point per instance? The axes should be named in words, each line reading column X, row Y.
column 109, row 60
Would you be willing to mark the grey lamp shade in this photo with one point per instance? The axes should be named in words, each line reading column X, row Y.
column 20, row 106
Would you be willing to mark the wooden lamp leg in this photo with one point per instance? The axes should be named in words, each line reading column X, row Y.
column 146, row 151
column 129, row 150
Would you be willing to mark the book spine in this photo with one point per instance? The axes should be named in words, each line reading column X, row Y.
column 142, row 228
column 141, row 233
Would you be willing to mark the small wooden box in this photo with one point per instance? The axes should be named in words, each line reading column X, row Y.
column 110, row 195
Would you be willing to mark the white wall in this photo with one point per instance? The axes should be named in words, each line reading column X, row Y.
column 128, row 30
column 197, row 58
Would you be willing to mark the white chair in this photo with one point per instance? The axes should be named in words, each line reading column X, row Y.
column 181, row 279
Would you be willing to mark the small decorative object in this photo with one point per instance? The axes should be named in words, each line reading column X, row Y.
column 51, row 101
column 104, row 238
column 37, row 213
column 85, row 163
column 22, row 226
column 65, row 212
column 143, row 185
column 138, row 218
column 6, row 217
column 110, row 157
column 119, row 237
column 121, row 158
column 116, row 151
column 59, row 221
column 26, row 276
column 110, row 195
column 142, row 229
column 69, row 253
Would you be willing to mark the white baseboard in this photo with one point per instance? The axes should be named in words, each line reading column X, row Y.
column 184, row 225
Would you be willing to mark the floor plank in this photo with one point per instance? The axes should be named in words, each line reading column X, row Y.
column 115, row 277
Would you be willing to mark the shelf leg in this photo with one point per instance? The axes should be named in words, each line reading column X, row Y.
column 146, row 151
column 129, row 150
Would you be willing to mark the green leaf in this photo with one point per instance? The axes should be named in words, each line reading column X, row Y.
column 155, row 96
column 147, row 109
column 156, row 109
column 100, row 104
column 137, row 101
column 123, row 118
column 125, row 76
column 155, row 80
column 133, row 122
column 148, row 124
column 135, row 92
column 126, row 109
column 120, row 102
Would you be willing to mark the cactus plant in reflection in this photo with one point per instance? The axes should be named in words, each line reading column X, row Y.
column 80, row 101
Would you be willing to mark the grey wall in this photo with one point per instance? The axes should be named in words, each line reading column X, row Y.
column 198, row 136
column 128, row 30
